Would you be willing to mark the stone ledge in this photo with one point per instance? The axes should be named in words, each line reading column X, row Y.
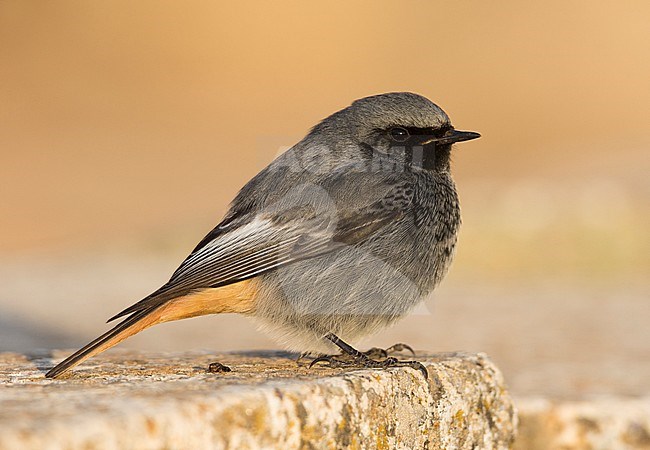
column 606, row 423
column 123, row 400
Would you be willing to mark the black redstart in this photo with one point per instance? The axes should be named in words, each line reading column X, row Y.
column 338, row 237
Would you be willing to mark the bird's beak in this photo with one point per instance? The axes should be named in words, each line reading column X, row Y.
column 453, row 136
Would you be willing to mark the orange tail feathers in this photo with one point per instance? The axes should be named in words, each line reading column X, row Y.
column 238, row 298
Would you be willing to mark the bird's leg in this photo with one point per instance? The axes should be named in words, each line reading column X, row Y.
column 360, row 359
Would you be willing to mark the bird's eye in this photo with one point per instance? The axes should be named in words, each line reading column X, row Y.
column 399, row 134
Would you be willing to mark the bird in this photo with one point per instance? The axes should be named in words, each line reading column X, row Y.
column 337, row 238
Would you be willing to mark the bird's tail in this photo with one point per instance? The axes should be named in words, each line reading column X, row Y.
column 128, row 327
column 233, row 298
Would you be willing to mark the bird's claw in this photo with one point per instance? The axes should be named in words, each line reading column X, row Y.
column 332, row 360
column 417, row 365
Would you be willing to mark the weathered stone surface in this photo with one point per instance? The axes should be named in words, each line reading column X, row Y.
column 131, row 400
column 614, row 423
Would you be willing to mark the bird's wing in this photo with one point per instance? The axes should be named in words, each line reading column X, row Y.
column 272, row 238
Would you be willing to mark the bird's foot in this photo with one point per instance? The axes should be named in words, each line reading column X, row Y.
column 373, row 353
column 362, row 360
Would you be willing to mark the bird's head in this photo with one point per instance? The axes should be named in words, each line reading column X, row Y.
column 402, row 126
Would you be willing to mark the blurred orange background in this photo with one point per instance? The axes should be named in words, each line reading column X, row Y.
column 127, row 127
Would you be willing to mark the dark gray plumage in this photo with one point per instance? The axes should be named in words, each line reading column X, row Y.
column 343, row 234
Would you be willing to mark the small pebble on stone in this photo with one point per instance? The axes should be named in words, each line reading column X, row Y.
column 217, row 367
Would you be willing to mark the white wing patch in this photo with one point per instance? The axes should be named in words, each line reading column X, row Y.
column 249, row 250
